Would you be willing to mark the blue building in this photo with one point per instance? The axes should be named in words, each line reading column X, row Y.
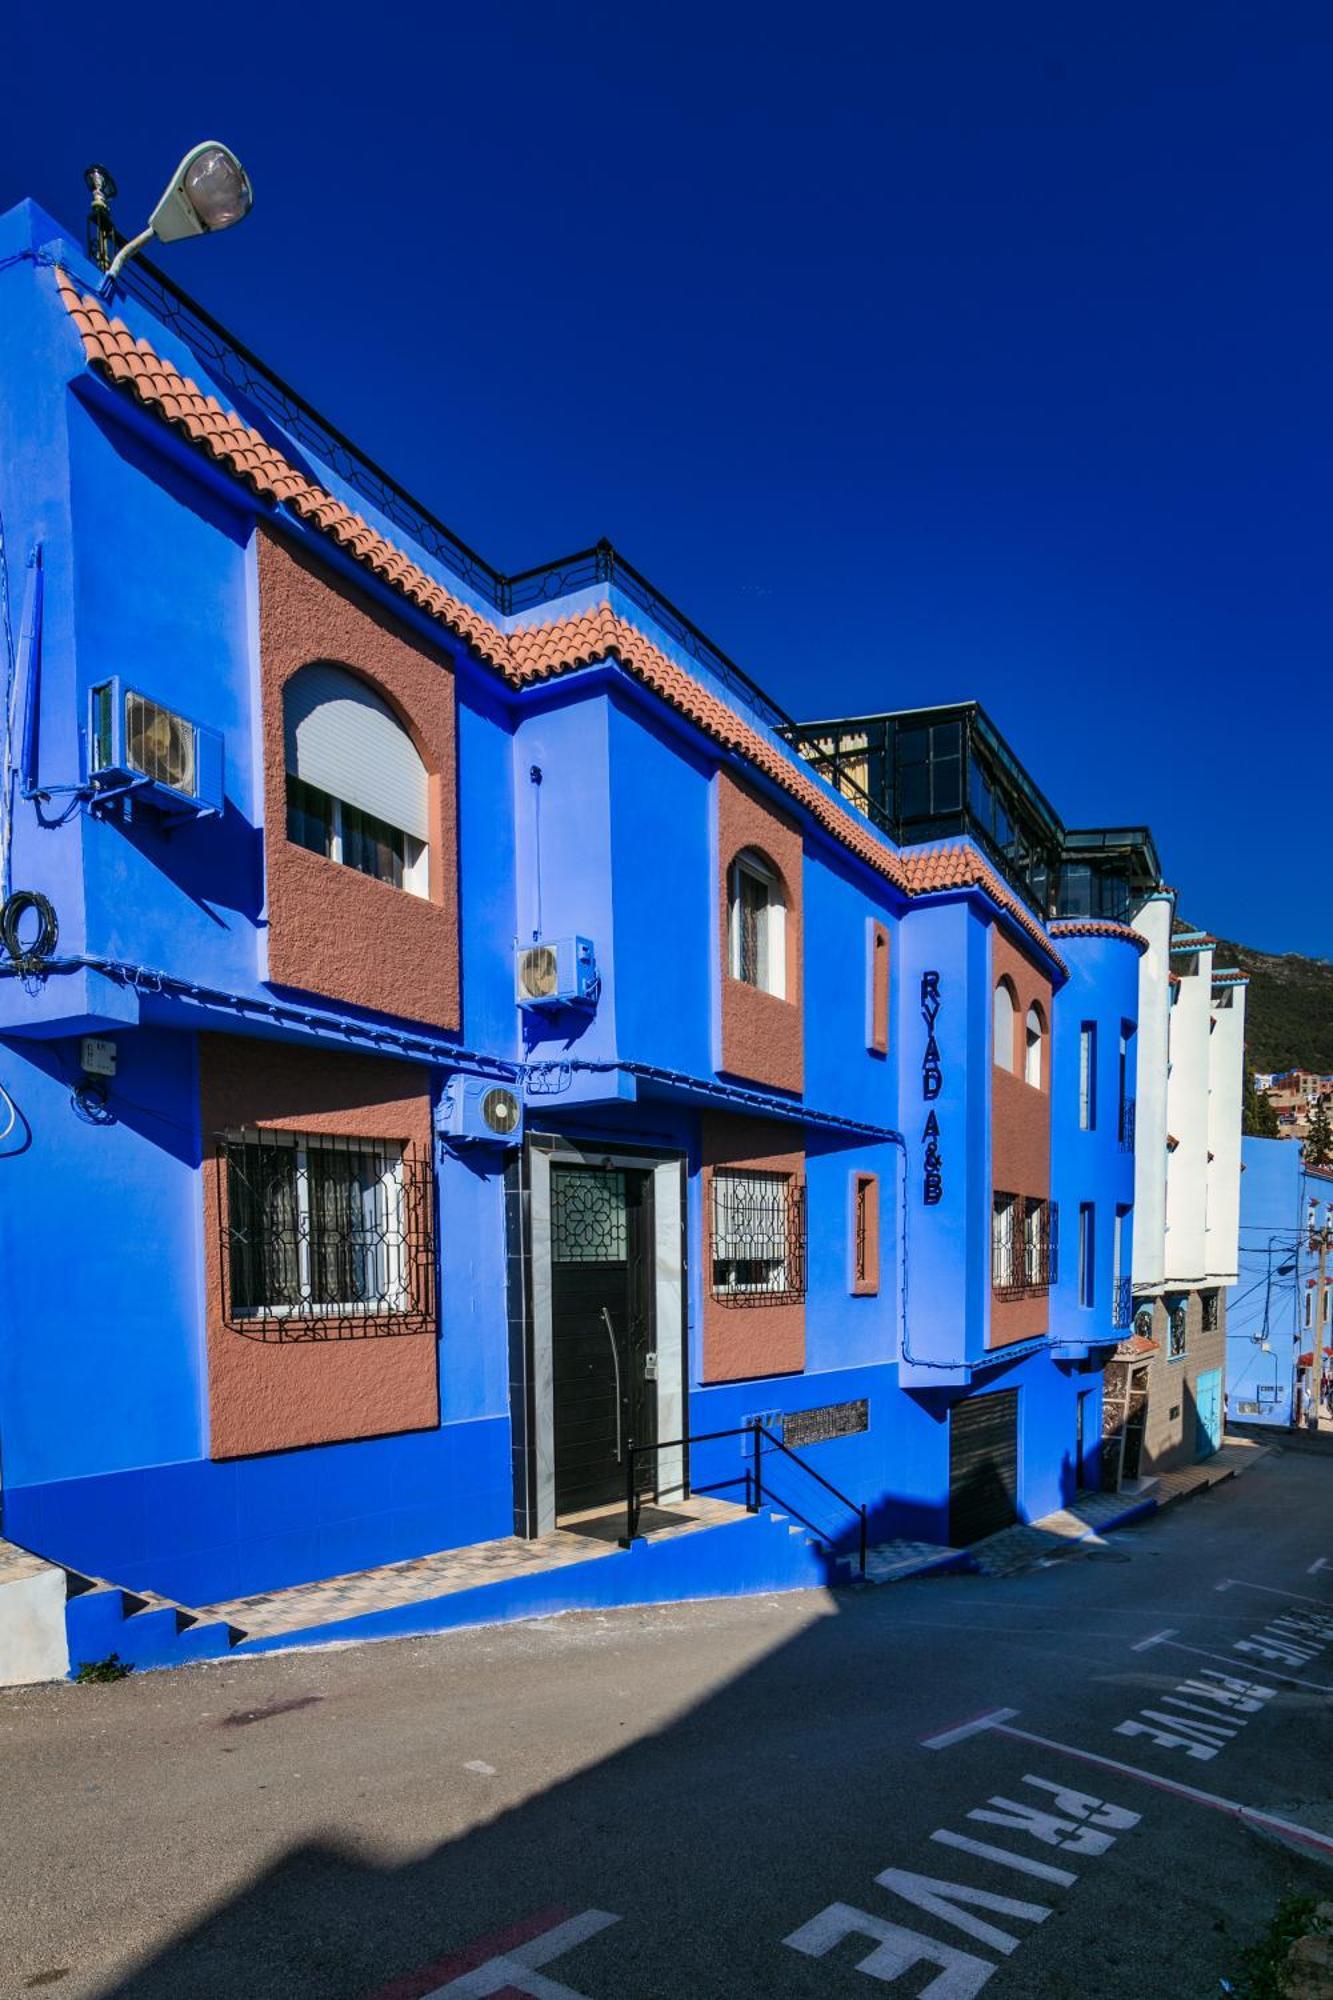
column 450, row 1036
column 1271, row 1323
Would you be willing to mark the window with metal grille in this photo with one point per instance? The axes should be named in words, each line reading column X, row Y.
column 758, row 1237
column 1209, row 1303
column 1177, row 1328
column 1023, row 1240
column 324, row 1238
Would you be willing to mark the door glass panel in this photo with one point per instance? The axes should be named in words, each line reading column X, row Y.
column 588, row 1216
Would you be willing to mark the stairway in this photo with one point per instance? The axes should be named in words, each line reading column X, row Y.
column 54, row 1619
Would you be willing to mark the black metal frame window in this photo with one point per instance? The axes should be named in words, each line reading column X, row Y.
column 324, row 1238
column 1122, row 1283
column 1087, row 1076
column 756, row 925
column 1125, row 1112
column 325, row 825
column 1210, row 1303
column 1087, row 1254
column 1024, row 1231
column 758, row 1249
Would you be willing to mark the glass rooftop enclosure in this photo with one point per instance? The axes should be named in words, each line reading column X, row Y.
column 926, row 774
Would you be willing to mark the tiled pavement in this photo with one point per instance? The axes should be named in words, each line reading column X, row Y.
column 339, row 1597
column 1056, row 1535
column 893, row 1562
column 16, row 1564
column 1005, row 1554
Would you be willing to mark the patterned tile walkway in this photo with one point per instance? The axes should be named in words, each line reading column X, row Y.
column 338, row 1597
column 893, row 1562
column 16, row 1564
column 1014, row 1550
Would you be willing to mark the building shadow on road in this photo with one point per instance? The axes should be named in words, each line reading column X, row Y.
column 673, row 1867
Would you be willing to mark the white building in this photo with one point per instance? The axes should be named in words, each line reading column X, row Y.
column 1165, row 1387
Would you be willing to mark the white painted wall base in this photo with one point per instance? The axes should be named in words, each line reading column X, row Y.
column 33, row 1645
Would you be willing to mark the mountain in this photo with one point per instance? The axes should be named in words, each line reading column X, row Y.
column 1288, row 1009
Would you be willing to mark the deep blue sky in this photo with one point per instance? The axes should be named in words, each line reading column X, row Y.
column 919, row 352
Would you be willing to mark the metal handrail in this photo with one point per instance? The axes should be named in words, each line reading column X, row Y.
column 754, row 1478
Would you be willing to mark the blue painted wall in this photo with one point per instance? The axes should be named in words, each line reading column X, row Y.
column 103, row 1429
column 1266, row 1330
column 1092, row 1166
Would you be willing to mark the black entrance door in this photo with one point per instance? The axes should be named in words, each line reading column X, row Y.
column 983, row 1466
column 604, row 1358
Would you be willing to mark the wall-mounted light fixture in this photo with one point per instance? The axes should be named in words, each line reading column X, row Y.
column 210, row 190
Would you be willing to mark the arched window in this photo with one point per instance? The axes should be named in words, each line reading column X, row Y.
column 356, row 789
column 1005, row 1010
column 756, row 924
column 1034, row 1034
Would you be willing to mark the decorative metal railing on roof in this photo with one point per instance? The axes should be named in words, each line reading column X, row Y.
column 232, row 364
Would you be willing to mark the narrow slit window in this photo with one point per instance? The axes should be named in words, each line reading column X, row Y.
column 865, row 1234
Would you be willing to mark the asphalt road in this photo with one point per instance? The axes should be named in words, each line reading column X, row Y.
column 725, row 1799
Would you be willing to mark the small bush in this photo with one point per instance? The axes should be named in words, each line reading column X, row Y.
column 1262, row 1962
column 112, row 1668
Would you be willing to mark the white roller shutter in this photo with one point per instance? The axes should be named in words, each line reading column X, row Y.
column 341, row 736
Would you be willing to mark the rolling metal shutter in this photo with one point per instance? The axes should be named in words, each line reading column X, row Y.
column 983, row 1466
column 341, row 736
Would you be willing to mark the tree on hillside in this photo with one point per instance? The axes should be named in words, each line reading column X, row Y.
column 1258, row 1118
column 1319, row 1139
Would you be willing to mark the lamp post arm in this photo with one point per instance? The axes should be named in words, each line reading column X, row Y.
column 128, row 250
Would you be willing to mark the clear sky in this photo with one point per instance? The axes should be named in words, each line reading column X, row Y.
column 919, row 352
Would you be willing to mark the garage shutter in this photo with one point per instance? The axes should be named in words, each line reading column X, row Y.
column 341, row 736
column 983, row 1466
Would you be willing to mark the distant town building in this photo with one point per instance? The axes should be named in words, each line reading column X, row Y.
column 1293, row 1094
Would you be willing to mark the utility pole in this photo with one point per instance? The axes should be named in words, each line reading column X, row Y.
column 1319, row 1243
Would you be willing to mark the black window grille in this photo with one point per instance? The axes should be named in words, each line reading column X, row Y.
column 1122, row 1302
column 862, row 1265
column 1024, row 1237
column 1177, row 1329
column 325, row 1238
column 758, row 1238
column 1211, row 1315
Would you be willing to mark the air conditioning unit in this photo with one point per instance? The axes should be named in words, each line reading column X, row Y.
column 156, row 755
column 561, row 973
column 475, row 1111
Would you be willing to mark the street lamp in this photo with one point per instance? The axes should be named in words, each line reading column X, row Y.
column 210, row 190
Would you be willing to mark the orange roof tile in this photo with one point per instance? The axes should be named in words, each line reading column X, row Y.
column 528, row 653
column 1136, row 1347
column 1096, row 927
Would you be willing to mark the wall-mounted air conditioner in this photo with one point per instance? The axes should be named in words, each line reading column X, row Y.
column 558, row 973
column 155, row 754
column 475, row 1111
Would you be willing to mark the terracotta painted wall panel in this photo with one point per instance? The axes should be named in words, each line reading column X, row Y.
column 762, row 1036
column 332, row 930
column 743, row 1340
column 1021, row 1130
column 274, row 1395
